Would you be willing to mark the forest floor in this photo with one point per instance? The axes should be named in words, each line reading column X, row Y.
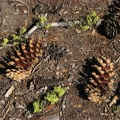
column 14, row 14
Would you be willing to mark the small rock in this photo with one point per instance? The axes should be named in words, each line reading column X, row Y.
column 52, row 117
column 25, row 11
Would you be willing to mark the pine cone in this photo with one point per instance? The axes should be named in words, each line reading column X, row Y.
column 111, row 28
column 110, row 25
column 100, row 81
column 18, row 64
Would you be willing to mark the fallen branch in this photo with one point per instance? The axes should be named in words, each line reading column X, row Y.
column 56, row 24
column 9, row 92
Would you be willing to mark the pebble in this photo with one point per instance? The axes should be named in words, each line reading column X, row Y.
column 52, row 117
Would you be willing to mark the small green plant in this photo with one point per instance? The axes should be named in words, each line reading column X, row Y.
column 59, row 90
column 89, row 21
column 116, row 108
column 5, row 41
column 23, row 30
column 37, row 106
column 15, row 38
column 53, row 96
column 43, row 22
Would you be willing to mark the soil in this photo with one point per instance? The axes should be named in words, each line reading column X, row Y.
column 66, row 69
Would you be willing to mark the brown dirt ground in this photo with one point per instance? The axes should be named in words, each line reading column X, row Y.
column 82, row 45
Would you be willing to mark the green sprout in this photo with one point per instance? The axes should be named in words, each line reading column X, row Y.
column 51, row 97
column 15, row 38
column 23, row 30
column 5, row 41
column 59, row 90
column 38, row 106
column 43, row 19
column 47, row 26
column 43, row 22
column 116, row 108
column 89, row 21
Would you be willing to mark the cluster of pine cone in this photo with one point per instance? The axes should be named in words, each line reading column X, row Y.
column 100, row 81
column 110, row 25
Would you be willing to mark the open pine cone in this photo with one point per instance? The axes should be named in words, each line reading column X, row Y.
column 100, row 82
column 110, row 25
column 19, row 62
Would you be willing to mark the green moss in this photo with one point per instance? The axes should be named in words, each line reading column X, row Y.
column 59, row 90
column 89, row 21
column 43, row 22
column 51, row 97
column 5, row 41
column 38, row 106
column 116, row 108
column 48, row 26
column 14, row 38
column 23, row 30
column 43, row 19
